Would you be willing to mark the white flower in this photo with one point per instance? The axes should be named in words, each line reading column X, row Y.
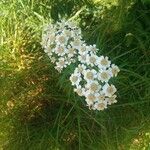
column 61, row 63
column 48, row 50
column 81, row 68
column 109, row 90
column 79, row 90
column 90, row 98
column 83, row 49
column 104, row 76
column 58, row 69
column 76, row 43
column 103, row 62
column 111, row 100
column 89, row 75
column 60, row 50
column 70, row 51
column 69, row 60
column 82, row 58
column 93, row 49
column 93, row 86
column 61, row 39
column 114, row 69
column 91, row 59
column 75, row 79
column 101, row 105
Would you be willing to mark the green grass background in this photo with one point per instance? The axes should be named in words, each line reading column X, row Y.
column 38, row 108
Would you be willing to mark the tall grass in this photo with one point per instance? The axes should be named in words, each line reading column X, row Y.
column 38, row 108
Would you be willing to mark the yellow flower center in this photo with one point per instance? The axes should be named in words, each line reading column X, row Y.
column 71, row 51
column 104, row 62
column 61, row 39
column 61, row 62
column 76, row 42
column 89, row 75
column 92, row 59
column 104, row 75
column 80, row 69
column 91, row 97
column 74, row 78
column 114, row 71
column 110, row 89
column 93, row 87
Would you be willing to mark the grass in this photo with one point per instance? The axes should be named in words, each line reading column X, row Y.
column 38, row 108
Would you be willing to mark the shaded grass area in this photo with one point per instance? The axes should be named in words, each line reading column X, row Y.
column 38, row 108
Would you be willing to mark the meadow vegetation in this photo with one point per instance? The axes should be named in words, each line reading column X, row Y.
column 38, row 108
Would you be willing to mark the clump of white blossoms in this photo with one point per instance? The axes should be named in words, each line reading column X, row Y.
column 91, row 80
column 64, row 45
column 61, row 42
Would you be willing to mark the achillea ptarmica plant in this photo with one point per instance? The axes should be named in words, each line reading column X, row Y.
column 64, row 45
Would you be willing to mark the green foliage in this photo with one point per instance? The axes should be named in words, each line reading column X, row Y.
column 38, row 108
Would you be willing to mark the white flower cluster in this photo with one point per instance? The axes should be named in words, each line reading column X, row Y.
column 63, row 43
column 90, row 80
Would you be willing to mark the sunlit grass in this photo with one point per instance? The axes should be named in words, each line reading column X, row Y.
column 141, row 141
column 38, row 108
